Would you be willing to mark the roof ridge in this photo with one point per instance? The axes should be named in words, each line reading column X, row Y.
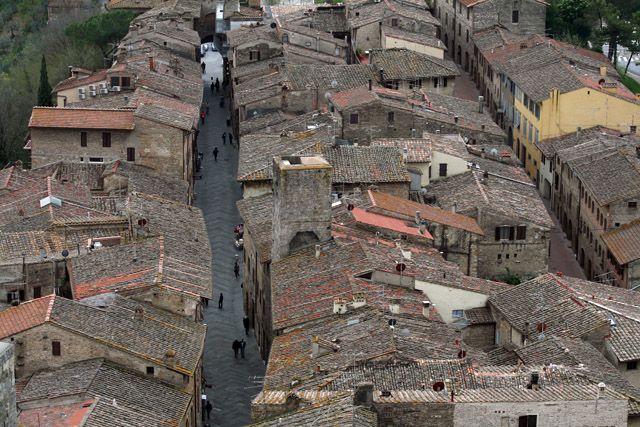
column 50, row 307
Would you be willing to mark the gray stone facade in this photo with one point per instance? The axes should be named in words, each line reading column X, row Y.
column 301, row 208
column 8, row 414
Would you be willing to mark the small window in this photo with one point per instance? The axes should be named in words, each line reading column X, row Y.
column 444, row 82
column 390, row 116
column 528, row 421
column 632, row 366
column 505, row 232
column 83, row 139
column 521, row 232
column 55, row 348
column 507, row 256
column 285, row 38
column 254, row 55
column 632, row 129
column 394, row 22
column 308, row 44
column 150, row 370
column 353, row 118
column 126, row 81
column 499, row 256
column 37, row 292
column 131, row 154
column 457, row 313
column 515, row 16
column 96, row 160
column 443, row 169
column 106, row 139
column 115, row 81
column 632, row 205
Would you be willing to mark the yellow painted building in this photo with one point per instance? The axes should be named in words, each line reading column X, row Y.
column 586, row 100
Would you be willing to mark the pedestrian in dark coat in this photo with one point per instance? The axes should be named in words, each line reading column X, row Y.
column 242, row 346
column 224, row 138
column 212, row 87
column 230, row 138
column 215, row 154
column 235, row 346
column 222, row 102
column 209, row 408
column 220, row 300
column 207, row 108
column 236, row 270
column 245, row 322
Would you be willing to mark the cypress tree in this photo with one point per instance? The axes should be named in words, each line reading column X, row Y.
column 44, row 90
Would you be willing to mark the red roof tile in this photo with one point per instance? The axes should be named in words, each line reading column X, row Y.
column 81, row 118
column 624, row 242
column 72, row 82
column 351, row 97
column 389, row 223
column 64, row 415
column 25, row 316
column 429, row 213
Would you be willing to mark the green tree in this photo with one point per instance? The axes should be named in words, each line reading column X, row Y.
column 44, row 90
column 617, row 32
column 633, row 39
column 102, row 30
column 510, row 278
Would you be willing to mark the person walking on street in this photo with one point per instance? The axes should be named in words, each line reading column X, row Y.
column 212, row 87
column 236, row 270
column 220, row 300
column 235, row 346
column 207, row 107
column 231, row 138
column 242, row 346
column 209, row 408
column 202, row 117
column 222, row 102
column 215, row 154
column 224, row 138
column 245, row 323
column 203, row 66
column 217, row 85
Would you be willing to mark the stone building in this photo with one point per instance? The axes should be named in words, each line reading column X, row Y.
column 507, row 207
column 8, row 414
column 101, row 393
column 174, row 38
column 461, row 19
column 144, row 135
column 405, row 70
column 252, row 44
column 80, row 84
column 303, row 36
column 395, row 38
column 594, row 192
column 53, row 331
column 367, row 113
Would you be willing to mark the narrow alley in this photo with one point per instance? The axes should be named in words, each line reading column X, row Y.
column 231, row 380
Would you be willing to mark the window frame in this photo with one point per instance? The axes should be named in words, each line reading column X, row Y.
column 131, row 154
column 457, row 314
column 56, row 348
column 83, row 139
column 354, row 119
column 106, row 139
column 442, row 170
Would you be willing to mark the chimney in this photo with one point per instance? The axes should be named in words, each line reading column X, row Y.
column 426, row 308
column 301, row 203
column 485, row 177
column 370, row 85
column 138, row 312
column 405, row 154
column 602, row 387
column 603, row 70
column 70, row 70
column 170, row 357
column 454, row 207
column 381, row 76
column 483, row 154
column 578, row 129
column 359, row 299
column 151, row 63
column 535, row 380
column 480, row 104
column 377, row 237
column 423, row 226
column 455, row 119
column 339, row 305
column 417, row 217
column 363, row 395
column 482, row 128
column 394, row 306
column 317, row 251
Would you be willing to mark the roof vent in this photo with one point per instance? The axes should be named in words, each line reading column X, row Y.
column 50, row 200
column 359, row 299
column 139, row 312
column 339, row 305
column 426, row 308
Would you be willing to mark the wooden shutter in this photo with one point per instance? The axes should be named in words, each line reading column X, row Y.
column 497, row 233
column 55, row 348
column 512, row 233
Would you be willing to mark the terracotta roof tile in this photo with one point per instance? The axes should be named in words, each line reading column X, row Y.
column 403, row 64
column 624, row 242
column 72, row 82
column 418, row 149
column 363, row 164
column 389, row 223
column 25, row 316
column 408, row 208
column 81, row 118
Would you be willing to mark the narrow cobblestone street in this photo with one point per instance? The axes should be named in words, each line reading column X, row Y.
column 230, row 378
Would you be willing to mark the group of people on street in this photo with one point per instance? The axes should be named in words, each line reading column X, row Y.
column 215, row 85
column 238, row 345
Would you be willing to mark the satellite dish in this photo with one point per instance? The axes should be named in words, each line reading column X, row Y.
column 65, row 253
column 461, row 354
column 334, row 83
column 273, row 25
column 493, row 152
column 400, row 267
column 142, row 222
column 439, row 386
column 542, row 327
column 327, row 95
column 350, row 207
column 423, row 191
column 392, row 322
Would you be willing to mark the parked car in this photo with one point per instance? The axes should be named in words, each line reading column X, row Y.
column 213, row 47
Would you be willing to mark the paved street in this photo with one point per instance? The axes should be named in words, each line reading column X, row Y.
column 232, row 388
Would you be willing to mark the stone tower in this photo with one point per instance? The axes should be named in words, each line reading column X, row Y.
column 301, row 203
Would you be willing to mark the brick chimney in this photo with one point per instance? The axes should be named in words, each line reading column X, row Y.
column 301, row 203
column 138, row 312
column 426, row 308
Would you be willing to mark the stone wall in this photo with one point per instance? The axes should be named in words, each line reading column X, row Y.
column 8, row 414
column 242, row 55
column 256, row 290
column 44, row 275
column 300, row 220
column 480, row 336
column 183, row 305
column 415, row 414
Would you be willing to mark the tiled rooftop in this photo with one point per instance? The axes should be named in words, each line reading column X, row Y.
column 354, row 165
column 545, row 300
column 293, row 55
column 479, row 316
column 257, row 214
column 244, row 34
column 76, row 81
column 418, row 149
column 299, row 77
column 609, row 177
column 389, row 223
column 81, row 118
column 410, row 36
column 403, row 64
column 624, row 242
column 387, row 203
